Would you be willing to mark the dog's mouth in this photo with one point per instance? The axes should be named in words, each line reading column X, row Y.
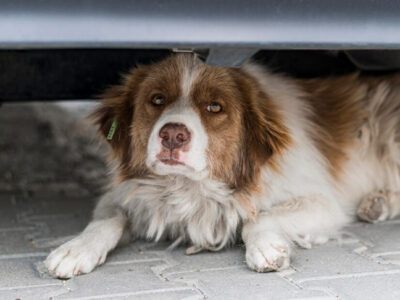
column 171, row 161
column 175, row 162
column 171, row 157
column 172, row 166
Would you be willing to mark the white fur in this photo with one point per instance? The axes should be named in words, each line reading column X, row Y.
column 302, row 205
column 195, row 159
column 88, row 250
column 181, row 112
column 203, row 212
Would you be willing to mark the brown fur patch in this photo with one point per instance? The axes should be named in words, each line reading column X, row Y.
column 338, row 105
column 247, row 134
column 246, row 201
column 118, row 105
column 130, row 104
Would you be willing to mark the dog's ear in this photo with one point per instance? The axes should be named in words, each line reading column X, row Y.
column 264, row 134
column 114, row 115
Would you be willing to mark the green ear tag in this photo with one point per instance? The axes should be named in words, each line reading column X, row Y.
column 112, row 130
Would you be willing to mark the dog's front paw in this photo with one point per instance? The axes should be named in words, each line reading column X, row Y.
column 78, row 256
column 268, row 253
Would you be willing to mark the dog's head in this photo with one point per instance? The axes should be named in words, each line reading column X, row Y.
column 180, row 116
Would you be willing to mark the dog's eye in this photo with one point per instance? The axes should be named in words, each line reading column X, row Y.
column 158, row 100
column 214, row 108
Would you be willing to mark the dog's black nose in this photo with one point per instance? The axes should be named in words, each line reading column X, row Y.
column 174, row 135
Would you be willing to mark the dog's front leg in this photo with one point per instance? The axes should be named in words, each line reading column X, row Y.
column 89, row 249
column 304, row 221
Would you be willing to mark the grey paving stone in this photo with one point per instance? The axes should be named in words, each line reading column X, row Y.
column 128, row 279
column 379, row 238
column 20, row 272
column 183, row 263
column 241, row 283
column 132, row 252
column 38, row 292
column 8, row 210
column 331, row 259
column 36, row 228
column 16, row 240
column 367, row 286
column 168, row 295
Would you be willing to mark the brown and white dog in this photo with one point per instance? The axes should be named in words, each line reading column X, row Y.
column 201, row 152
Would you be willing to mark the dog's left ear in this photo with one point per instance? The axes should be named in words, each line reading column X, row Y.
column 264, row 135
column 114, row 115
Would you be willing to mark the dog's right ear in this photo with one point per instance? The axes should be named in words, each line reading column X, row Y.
column 114, row 115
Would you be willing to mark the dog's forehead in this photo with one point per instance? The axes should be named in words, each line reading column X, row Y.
column 176, row 68
column 188, row 78
column 191, row 69
column 172, row 77
column 185, row 77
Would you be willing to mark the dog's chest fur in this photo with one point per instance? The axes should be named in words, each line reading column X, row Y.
column 204, row 213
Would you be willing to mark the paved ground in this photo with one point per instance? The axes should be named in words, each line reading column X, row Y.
column 50, row 177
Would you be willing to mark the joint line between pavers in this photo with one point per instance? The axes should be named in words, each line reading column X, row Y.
column 385, row 253
column 207, row 270
column 23, row 255
column 285, row 276
column 353, row 275
column 133, row 261
column 133, row 293
column 29, row 286
column 316, row 298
